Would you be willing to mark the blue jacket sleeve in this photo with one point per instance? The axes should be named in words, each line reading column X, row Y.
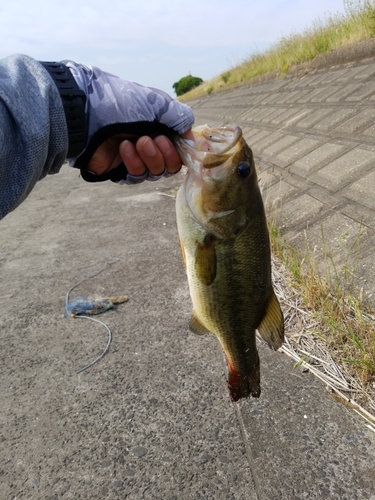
column 33, row 130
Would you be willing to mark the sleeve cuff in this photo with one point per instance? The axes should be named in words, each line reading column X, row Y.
column 73, row 100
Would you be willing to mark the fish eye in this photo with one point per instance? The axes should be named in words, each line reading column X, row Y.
column 243, row 169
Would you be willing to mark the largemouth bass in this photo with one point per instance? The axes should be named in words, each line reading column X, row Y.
column 225, row 246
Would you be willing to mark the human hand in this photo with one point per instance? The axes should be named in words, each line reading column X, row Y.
column 128, row 128
column 155, row 155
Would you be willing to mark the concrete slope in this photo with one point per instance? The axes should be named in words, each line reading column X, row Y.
column 312, row 133
column 153, row 418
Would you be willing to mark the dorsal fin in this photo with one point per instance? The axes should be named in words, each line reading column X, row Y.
column 196, row 326
column 271, row 328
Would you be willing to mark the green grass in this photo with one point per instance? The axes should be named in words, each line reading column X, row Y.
column 331, row 33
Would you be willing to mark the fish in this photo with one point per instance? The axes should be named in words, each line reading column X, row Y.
column 225, row 246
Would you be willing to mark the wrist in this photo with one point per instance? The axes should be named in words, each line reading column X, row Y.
column 73, row 100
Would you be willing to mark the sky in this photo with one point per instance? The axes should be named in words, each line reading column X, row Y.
column 154, row 42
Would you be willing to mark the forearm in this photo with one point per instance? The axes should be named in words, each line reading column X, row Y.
column 51, row 111
column 33, row 130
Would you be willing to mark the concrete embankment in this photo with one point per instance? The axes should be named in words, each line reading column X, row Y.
column 313, row 137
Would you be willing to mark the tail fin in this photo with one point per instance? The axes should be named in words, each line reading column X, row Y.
column 243, row 385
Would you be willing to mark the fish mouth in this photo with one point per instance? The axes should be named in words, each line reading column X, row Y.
column 216, row 140
column 211, row 146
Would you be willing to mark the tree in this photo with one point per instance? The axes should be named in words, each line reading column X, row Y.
column 186, row 83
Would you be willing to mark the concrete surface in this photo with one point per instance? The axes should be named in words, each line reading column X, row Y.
column 153, row 419
column 312, row 133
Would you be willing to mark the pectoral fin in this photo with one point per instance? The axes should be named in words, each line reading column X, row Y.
column 205, row 261
column 183, row 253
column 196, row 326
column 271, row 328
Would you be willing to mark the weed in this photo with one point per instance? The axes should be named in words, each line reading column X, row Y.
column 226, row 76
column 346, row 321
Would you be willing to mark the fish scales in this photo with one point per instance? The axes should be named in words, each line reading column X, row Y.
column 225, row 245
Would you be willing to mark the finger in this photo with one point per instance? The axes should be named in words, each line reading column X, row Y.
column 129, row 155
column 172, row 161
column 115, row 162
column 150, row 155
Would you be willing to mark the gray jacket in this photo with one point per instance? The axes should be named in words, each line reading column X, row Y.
column 34, row 138
column 33, row 131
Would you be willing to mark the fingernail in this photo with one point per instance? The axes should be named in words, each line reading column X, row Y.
column 127, row 148
column 149, row 147
column 163, row 144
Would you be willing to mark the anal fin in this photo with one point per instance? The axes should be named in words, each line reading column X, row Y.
column 271, row 328
column 196, row 326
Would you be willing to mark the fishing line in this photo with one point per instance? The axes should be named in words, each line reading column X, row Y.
column 246, row 442
column 84, row 316
column 106, row 262
column 107, row 346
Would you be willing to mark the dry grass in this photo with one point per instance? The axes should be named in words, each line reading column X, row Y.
column 332, row 33
column 329, row 326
